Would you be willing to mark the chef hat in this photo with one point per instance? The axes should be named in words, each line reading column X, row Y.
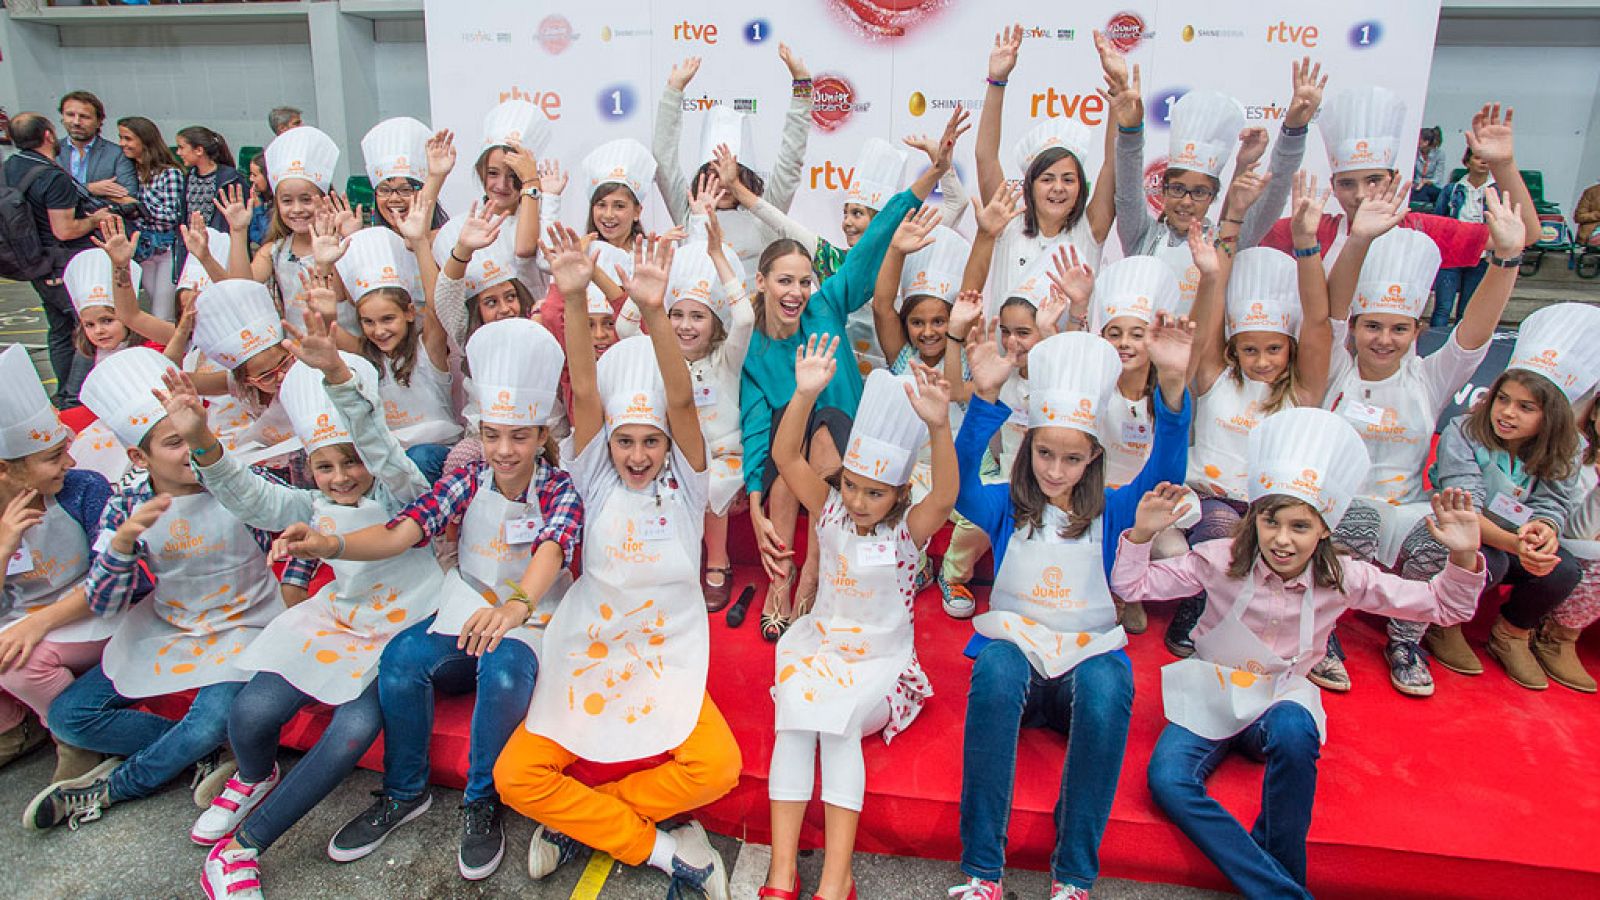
column 194, row 276
column 1263, row 293
column 234, row 320
column 1068, row 134
column 492, row 265
column 935, row 270
column 595, row 302
column 305, row 153
column 1031, row 284
column 623, row 161
column 312, row 415
column 28, row 423
column 1562, row 343
column 887, row 432
column 1363, row 128
column 118, row 391
column 379, row 258
column 631, row 388
column 516, row 121
column 516, row 368
column 608, row 257
column 724, row 125
column 396, row 148
column 1397, row 274
column 694, row 277
column 880, row 172
column 1070, row 380
column 1310, row 454
column 1135, row 286
column 1205, row 131
column 88, row 279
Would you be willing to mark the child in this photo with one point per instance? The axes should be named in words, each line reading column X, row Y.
column 214, row 594
column 300, row 164
column 619, row 172
column 91, row 278
column 261, row 204
column 626, row 653
column 1555, row 643
column 519, row 519
column 238, row 327
column 848, row 668
column 1274, row 593
column 407, row 164
column 1042, row 661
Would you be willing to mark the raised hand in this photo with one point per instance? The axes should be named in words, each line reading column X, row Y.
column 1245, row 189
column 481, row 228
column 328, row 242
column 1490, row 137
column 683, row 73
column 118, row 246
column 315, row 346
column 232, row 203
column 1309, row 83
column 569, row 263
column 797, row 66
column 1003, row 56
column 1454, row 522
column 725, row 164
column 1505, row 224
column 814, row 364
column 441, row 151
column 1113, row 65
column 302, row 541
column 986, row 360
column 1307, row 206
column 1052, row 309
column 714, row 237
column 196, row 239
column 319, row 295
column 930, row 396
column 19, row 516
column 184, row 408
column 1159, row 509
column 1379, row 212
column 346, row 218
column 708, row 192
column 521, row 163
column 1203, row 251
column 954, row 128
column 992, row 217
column 1252, row 146
column 652, row 263
column 1072, row 277
column 416, row 223
column 552, row 178
column 1169, row 341
column 916, row 229
column 967, row 310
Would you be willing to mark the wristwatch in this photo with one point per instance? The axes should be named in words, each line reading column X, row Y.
column 1514, row 262
column 531, row 192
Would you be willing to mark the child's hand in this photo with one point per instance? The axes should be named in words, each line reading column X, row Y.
column 916, row 230
column 714, row 228
column 117, row 245
column 968, row 309
column 1003, row 57
column 196, row 239
column 1490, row 137
column 726, row 165
column 992, row 217
column 521, row 162
column 316, row 347
column 797, row 66
column 184, row 329
column 346, row 219
column 652, row 263
column 1505, row 224
column 683, row 73
column 19, row 516
column 1159, row 509
column 302, row 541
column 320, row 297
column 987, row 362
column 1245, row 189
column 231, row 202
column 814, row 364
column 708, row 192
column 481, row 228
column 1309, row 83
column 1073, row 278
column 139, row 521
column 954, row 128
column 1537, row 544
column 552, row 178
column 441, row 150
column 1252, row 146
column 1169, row 342
column 184, row 408
column 572, row 267
column 930, row 397
column 416, row 223
column 328, row 243
column 1307, row 207
column 1203, row 251
column 1454, row 522
column 1047, row 318
column 482, row 631
column 1379, row 212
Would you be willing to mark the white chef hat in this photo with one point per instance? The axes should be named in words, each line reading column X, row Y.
column 379, row 258
column 595, row 302
column 887, row 433
column 516, row 369
column 516, row 121
column 1205, row 131
column 312, row 414
column 1562, row 343
column 118, row 391
column 1263, row 293
column 489, row 266
column 623, row 161
column 724, row 125
column 194, row 276
column 234, row 320
column 1397, row 274
column 305, row 153
column 608, row 257
column 1031, row 284
column 1363, row 127
column 88, row 279
column 1068, row 134
column 630, row 384
column 28, row 423
column 396, row 148
column 935, row 270
column 1310, row 454
column 1070, row 380
column 879, row 175
column 1135, row 286
column 694, row 277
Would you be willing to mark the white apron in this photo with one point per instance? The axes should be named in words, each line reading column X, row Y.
column 419, row 413
column 52, row 559
column 716, row 401
column 623, row 675
column 1223, row 419
column 286, row 268
column 1233, row 677
column 1396, row 423
column 328, row 646
column 214, row 594
column 1181, row 261
column 97, row 449
column 1051, row 599
column 1130, row 435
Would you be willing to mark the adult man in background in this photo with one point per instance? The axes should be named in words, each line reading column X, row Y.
column 283, row 118
column 93, row 161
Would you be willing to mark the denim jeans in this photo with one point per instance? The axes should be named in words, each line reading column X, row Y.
column 412, row 666
column 1270, row 859
column 1091, row 704
column 92, row 715
column 266, row 704
column 430, row 459
column 1452, row 288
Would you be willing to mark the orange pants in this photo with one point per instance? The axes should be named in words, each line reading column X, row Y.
column 618, row 818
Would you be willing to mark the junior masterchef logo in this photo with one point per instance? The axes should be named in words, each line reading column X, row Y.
column 885, row 19
column 1155, row 175
column 833, row 101
column 555, row 34
column 1126, row 31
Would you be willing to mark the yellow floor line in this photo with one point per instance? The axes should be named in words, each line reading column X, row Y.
column 593, row 877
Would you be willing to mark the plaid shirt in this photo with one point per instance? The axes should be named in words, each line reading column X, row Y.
column 113, row 576
column 161, row 201
column 559, row 504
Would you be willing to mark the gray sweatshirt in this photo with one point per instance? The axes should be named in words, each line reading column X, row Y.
column 1457, row 467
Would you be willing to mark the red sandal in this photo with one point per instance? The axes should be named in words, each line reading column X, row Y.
column 779, row 893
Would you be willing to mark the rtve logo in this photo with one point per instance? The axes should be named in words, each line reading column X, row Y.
column 832, row 176
column 689, row 31
column 549, row 102
column 1284, row 33
column 1087, row 108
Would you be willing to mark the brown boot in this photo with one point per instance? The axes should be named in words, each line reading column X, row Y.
column 71, row 762
column 1449, row 646
column 1555, row 646
column 1134, row 620
column 1512, row 651
column 20, row 740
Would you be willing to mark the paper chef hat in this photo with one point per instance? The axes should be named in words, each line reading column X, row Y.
column 396, row 148
column 608, row 257
column 312, row 415
column 1263, row 293
column 1205, row 131
column 623, row 161
column 28, row 423
column 935, row 270
column 1310, row 454
column 1070, row 379
column 1137, row 287
column 694, row 277
column 118, row 391
column 1562, row 343
column 724, row 125
column 630, row 383
column 516, row 121
column 1068, row 134
column 88, row 279
column 234, row 320
column 887, row 433
column 305, row 153
column 1032, row 285
column 516, row 369
column 379, row 258
column 880, row 172
column 1363, row 128
column 1397, row 274
column 194, row 276
column 492, row 265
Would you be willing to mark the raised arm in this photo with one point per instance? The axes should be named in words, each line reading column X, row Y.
column 913, row 234
column 1124, row 96
column 1288, row 152
column 1490, row 139
column 414, row 228
column 1315, row 351
column 670, row 179
column 1208, row 359
column 1002, row 60
column 1488, row 302
column 931, row 400
column 1374, row 216
column 237, row 204
column 573, row 268
column 992, row 218
column 943, row 153
column 785, row 176
column 966, row 312
column 814, row 365
column 647, row 286
column 124, row 296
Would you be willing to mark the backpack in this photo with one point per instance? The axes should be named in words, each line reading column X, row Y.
column 22, row 253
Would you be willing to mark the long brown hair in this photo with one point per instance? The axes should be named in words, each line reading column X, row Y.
column 1326, row 569
column 1048, row 157
column 1285, row 390
column 1550, row 452
column 1586, row 427
column 1088, row 498
column 475, row 315
column 155, row 156
column 896, row 513
column 604, row 191
column 405, row 352
column 212, row 144
column 747, row 177
column 775, row 251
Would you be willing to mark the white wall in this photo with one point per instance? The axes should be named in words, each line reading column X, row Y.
column 402, row 64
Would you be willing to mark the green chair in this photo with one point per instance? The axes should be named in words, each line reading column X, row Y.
column 246, row 154
column 358, row 190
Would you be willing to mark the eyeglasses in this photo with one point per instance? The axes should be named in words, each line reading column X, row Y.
column 272, row 375
column 404, row 192
column 1176, row 191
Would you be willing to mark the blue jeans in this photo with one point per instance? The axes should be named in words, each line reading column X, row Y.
column 412, row 666
column 92, row 715
column 1090, row 704
column 266, row 704
column 430, row 459
column 1452, row 289
column 1270, row 859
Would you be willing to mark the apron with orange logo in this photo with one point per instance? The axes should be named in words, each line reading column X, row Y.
column 716, row 399
column 1396, row 423
column 52, row 559
column 1223, row 419
column 419, row 412
column 1181, row 262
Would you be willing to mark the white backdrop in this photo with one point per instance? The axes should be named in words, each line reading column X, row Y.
column 888, row 68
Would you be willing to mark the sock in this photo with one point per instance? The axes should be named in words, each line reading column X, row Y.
column 661, row 854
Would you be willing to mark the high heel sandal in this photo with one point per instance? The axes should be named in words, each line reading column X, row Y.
column 779, row 893
column 849, row 896
column 774, row 624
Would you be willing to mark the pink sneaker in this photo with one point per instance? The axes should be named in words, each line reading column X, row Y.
column 230, row 808
column 1059, row 891
column 231, row 875
column 978, row 889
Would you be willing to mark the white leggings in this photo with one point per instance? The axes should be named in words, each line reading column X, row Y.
column 792, row 774
column 155, row 276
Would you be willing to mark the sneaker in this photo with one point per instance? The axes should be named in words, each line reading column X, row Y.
column 483, row 839
column 1330, row 674
column 550, row 850
column 957, row 598
column 366, row 832
column 924, row 575
column 1408, row 669
column 1179, row 642
column 978, row 889
column 74, row 801
column 696, row 866
column 229, row 809
column 231, row 874
column 211, row 775
column 1059, row 891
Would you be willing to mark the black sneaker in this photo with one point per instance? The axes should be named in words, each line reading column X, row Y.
column 74, row 801
column 1179, row 642
column 697, row 869
column 550, row 850
column 483, row 839
column 366, row 832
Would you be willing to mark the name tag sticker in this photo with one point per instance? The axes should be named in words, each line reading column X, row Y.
column 657, row 527
column 21, row 562
column 1365, row 413
column 523, row 530
column 875, row 553
column 1135, row 433
column 1510, row 510
column 705, row 395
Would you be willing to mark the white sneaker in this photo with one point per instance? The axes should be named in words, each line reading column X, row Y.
column 549, row 850
column 230, row 808
column 1059, row 891
column 231, row 875
column 697, row 865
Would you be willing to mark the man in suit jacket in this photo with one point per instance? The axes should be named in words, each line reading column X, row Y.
column 93, row 161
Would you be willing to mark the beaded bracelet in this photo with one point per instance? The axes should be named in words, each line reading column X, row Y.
column 802, row 87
